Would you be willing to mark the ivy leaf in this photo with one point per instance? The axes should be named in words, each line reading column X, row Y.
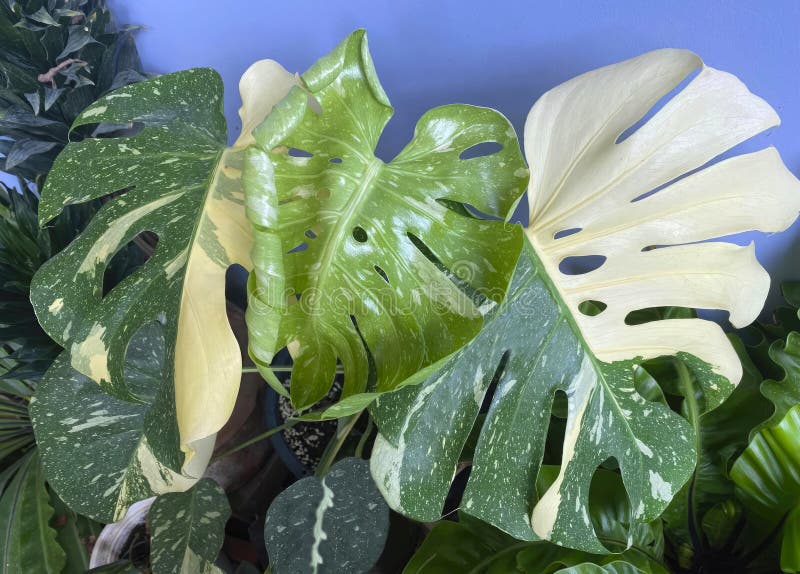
column 182, row 184
column 188, row 529
column 27, row 543
column 335, row 524
column 590, row 196
column 100, row 453
column 768, row 484
column 357, row 259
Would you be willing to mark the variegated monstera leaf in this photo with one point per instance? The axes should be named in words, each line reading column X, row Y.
column 637, row 204
column 380, row 266
column 181, row 183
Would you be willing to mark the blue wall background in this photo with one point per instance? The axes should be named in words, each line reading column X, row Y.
column 498, row 54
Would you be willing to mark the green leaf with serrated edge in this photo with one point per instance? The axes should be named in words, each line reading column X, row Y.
column 337, row 524
column 768, row 485
column 27, row 543
column 188, row 529
column 101, row 453
column 183, row 185
column 590, row 196
column 721, row 435
column 380, row 255
column 783, row 394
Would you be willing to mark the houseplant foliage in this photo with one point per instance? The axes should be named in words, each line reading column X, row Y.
column 55, row 59
column 187, row 191
column 590, row 196
column 407, row 275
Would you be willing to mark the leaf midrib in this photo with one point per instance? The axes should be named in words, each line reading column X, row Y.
column 565, row 311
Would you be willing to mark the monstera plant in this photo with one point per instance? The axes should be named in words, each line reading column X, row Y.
column 546, row 359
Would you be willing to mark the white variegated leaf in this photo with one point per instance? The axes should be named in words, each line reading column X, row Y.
column 590, row 195
column 183, row 184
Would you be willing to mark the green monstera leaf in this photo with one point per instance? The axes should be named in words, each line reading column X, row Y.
column 615, row 223
column 768, row 485
column 181, row 183
column 188, row 529
column 357, row 260
column 100, row 453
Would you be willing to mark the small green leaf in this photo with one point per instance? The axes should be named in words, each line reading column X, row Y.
column 44, row 17
column 334, row 525
column 24, row 149
column 188, row 529
column 79, row 37
column 27, row 542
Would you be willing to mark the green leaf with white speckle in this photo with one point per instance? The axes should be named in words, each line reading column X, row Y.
column 174, row 178
column 334, row 525
column 101, row 453
column 188, row 528
column 357, row 259
column 604, row 193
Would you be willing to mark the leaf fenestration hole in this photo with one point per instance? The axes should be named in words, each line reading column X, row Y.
column 566, row 232
column 128, row 258
column 297, row 152
column 381, row 272
column 581, row 264
column 302, row 247
column 655, row 108
column 642, row 316
column 591, row 308
column 359, row 234
column 480, row 150
column 310, row 234
column 335, row 160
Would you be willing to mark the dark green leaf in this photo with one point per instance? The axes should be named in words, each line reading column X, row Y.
column 188, row 528
column 336, row 525
column 768, row 484
column 78, row 38
column 100, row 453
column 27, row 543
column 24, row 149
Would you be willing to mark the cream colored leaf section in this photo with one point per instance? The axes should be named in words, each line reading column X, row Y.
column 208, row 364
column 587, row 188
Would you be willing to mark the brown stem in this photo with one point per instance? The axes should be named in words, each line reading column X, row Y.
column 49, row 77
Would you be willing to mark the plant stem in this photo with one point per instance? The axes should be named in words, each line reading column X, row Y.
column 346, row 425
column 287, row 425
column 282, row 369
column 362, row 442
column 693, row 412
